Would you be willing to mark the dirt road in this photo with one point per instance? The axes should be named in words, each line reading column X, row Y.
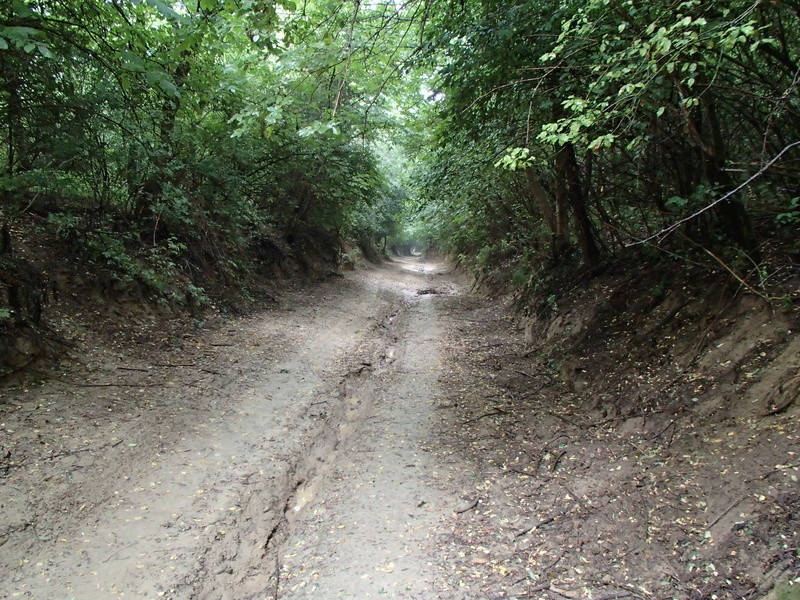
column 226, row 467
column 388, row 435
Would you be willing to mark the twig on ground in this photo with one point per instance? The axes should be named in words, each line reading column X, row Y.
column 562, row 417
column 773, row 471
column 522, row 472
column 565, row 593
column 660, row 433
column 71, row 452
column 541, row 523
column 573, row 494
column 18, row 369
column 557, row 460
column 116, row 552
column 735, row 275
column 103, row 385
column 724, row 512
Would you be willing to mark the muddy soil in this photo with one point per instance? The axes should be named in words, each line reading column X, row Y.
column 389, row 435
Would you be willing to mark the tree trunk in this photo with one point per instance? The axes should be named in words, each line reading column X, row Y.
column 557, row 222
column 15, row 135
column 733, row 214
column 153, row 187
column 569, row 178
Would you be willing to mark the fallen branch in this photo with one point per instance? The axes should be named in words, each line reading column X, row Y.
column 724, row 512
column 573, row 494
column 556, row 461
column 18, row 369
column 562, row 417
column 104, row 385
column 64, row 453
column 736, row 276
column 660, row 433
column 541, row 523
column 773, row 471
column 522, row 472
column 483, row 416
column 565, row 593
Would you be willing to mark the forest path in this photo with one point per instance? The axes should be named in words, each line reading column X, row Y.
column 200, row 472
column 370, row 528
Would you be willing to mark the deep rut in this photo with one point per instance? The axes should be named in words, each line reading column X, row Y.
column 249, row 565
column 195, row 490
column 371, row 528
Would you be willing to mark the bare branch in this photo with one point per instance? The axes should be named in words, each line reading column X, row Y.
column 667, row 230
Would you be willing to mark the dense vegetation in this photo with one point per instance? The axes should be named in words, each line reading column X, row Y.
column 574, row 130
column 184, row 146
column 196, row 142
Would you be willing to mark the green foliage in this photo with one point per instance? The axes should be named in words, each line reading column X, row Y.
column 173, row 141
column 791, row 216
column 515, row 159
column 167, row 140
column 638, row 115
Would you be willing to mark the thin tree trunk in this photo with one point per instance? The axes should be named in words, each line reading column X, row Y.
column 568, row 176
column 733, row 213
column 557, row 222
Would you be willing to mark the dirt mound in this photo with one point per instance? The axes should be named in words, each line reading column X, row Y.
column 632, row 344
column 635, row 440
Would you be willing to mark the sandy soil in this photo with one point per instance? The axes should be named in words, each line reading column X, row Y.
column 388, row 435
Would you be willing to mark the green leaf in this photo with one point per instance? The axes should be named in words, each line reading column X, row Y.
column 131, row 62
column 169, row 88
column 166, row 10
column 19, row 35
column 21, row 10
column 3, row 44
column 604, row 141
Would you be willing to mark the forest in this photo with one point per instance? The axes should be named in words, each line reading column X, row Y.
column 185, row 148
column 400, row 298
